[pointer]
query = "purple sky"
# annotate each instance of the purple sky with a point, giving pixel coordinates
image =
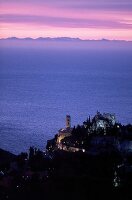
(87, 19)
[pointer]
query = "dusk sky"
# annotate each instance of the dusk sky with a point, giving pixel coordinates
(86, 19)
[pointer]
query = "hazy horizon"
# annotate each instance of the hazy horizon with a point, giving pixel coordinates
(68, 39)
(93, 19)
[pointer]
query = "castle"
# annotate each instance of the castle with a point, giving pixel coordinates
(65, 132)
(66, 140)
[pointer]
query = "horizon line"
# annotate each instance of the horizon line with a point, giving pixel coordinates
(64, 38)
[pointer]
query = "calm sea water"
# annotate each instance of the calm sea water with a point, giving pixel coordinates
(39, 86)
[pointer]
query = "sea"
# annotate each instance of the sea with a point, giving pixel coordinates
(41, 82)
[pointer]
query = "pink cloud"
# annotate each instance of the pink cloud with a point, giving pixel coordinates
(103, 17)
(65, 22)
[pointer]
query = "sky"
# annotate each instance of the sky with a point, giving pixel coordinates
(85, 19)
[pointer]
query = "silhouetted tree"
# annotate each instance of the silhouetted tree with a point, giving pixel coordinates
(31, 153)
(21, 159)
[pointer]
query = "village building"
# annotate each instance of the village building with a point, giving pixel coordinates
(65, 132)
(103, 121)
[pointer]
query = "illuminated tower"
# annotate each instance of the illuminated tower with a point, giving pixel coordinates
(68, 121)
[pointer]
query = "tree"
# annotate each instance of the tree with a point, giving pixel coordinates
(31, 153)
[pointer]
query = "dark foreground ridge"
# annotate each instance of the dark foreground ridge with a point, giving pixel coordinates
(90, 161)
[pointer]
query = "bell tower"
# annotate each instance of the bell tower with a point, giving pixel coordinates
(68, 121)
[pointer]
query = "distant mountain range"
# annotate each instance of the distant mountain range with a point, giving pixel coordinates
(44, 39)
(63, 39)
